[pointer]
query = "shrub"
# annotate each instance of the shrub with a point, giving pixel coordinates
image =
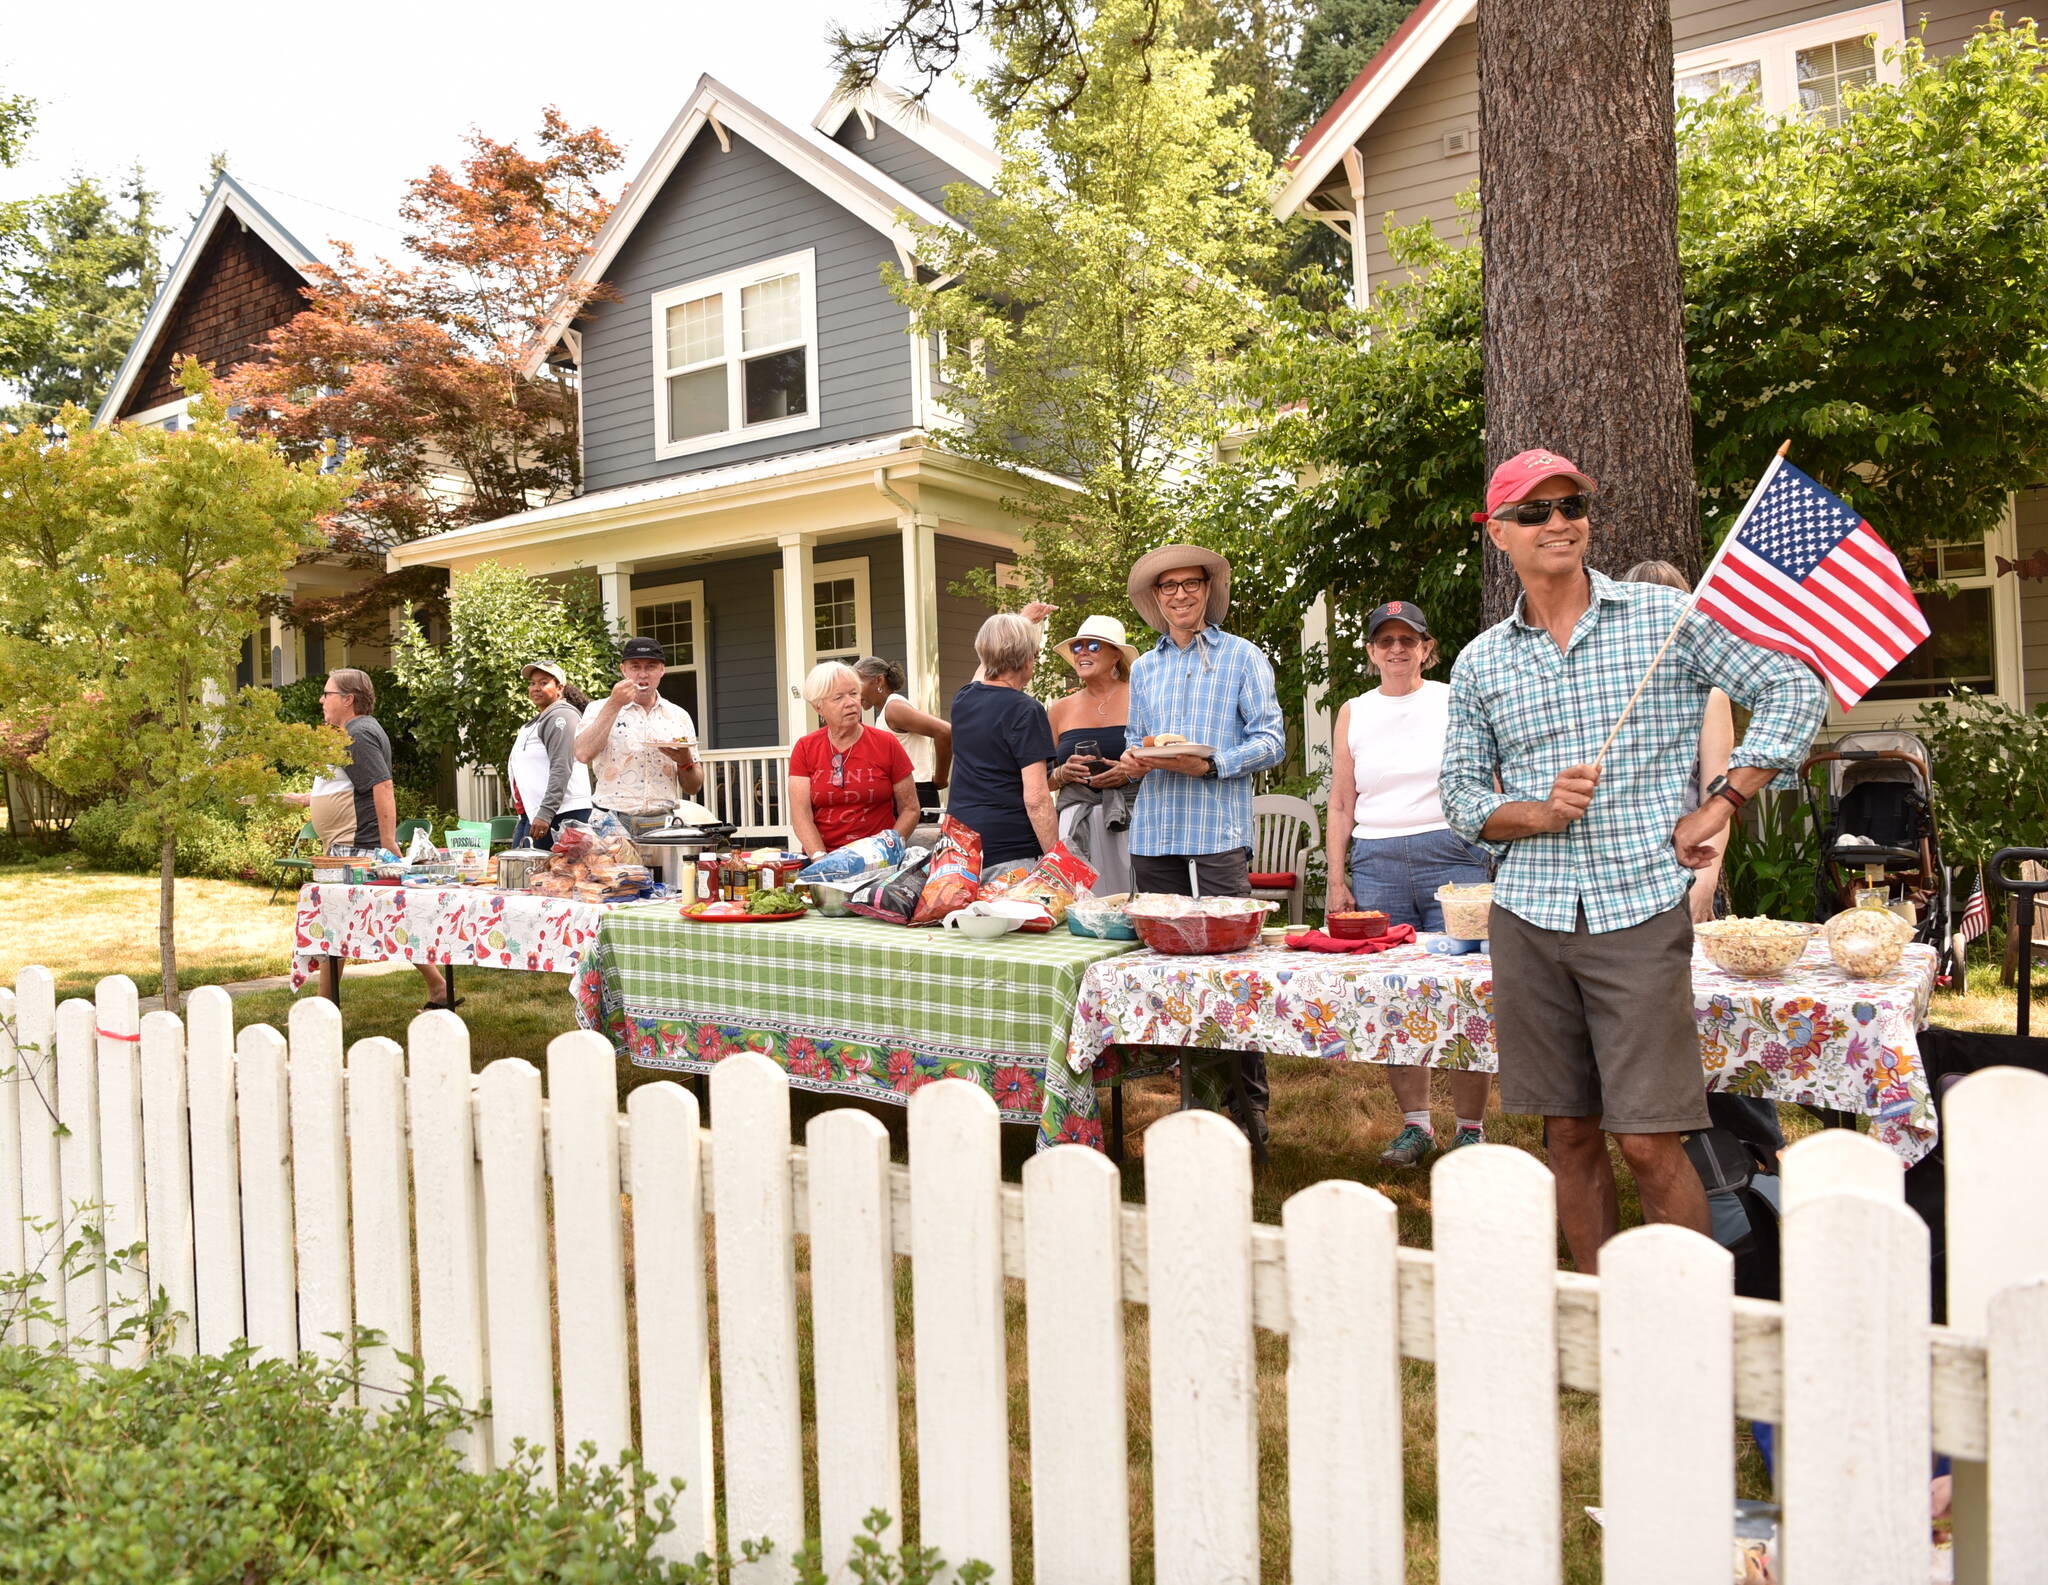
(1990, 775)
(229, 842)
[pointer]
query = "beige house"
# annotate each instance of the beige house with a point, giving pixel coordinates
(1403, 139)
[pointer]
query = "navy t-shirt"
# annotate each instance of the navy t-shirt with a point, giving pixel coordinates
(996, 733)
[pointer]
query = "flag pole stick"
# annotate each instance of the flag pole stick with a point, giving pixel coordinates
(1691, 600)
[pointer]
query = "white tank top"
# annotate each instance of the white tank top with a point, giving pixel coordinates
(1397, 757)
(923, 752)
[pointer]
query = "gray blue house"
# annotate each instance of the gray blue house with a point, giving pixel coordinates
(760, 489)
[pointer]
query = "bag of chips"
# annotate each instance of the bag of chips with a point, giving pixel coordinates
(866, 854)
(1053, 882)
(955, 874)
(896, 901)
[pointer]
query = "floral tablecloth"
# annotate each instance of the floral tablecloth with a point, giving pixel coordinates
(459, 925)
(850, 1006)
(1809, 1036)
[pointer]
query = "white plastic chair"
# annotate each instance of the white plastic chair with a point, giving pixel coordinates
(1285, 832)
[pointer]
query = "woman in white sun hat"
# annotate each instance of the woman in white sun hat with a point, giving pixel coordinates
(1095, 791)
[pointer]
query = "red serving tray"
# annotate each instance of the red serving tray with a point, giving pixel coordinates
(738, 919)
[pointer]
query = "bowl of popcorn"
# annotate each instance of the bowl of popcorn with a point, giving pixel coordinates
(1753, 949)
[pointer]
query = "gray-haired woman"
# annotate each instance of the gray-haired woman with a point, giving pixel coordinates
(847, 780)
(1001, 748)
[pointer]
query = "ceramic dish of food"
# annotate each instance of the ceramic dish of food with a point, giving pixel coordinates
(1752, 949)
(1357, 924)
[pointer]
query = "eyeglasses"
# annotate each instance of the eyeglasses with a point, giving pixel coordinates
(1176, 585)
(1397, 641)
(1531, 513)
(1087, 646)
(332, 693)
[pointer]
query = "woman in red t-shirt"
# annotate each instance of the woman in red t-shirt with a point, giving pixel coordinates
(846, 780)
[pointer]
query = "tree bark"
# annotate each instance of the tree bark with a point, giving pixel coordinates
(166, 933)
(1583, 346)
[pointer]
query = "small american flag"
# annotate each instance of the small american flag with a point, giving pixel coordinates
(1806, 575)
(1976, 914)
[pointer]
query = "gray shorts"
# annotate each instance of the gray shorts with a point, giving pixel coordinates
(1599, 1025)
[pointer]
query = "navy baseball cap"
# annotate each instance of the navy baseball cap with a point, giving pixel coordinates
(1397, 611)
(641, 647)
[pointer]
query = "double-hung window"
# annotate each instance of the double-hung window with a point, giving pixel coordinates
(736, 356)
(1804, 69)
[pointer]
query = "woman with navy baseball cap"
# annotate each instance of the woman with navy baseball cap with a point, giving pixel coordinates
(1390, 845)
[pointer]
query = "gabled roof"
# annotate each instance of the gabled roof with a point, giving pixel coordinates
(228, 198)
(968, 155)
(1428, 27)
(846, 179)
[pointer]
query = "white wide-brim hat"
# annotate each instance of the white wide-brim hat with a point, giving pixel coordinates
(1106, 628)
(1145, 599)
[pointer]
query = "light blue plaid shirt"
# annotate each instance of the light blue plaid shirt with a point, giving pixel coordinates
(1219, 691)
(1524, 710)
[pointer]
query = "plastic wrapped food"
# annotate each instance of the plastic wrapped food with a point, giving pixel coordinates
(896, 899)
(1753, 948)
(1467, 910)
(1867, 942)
(1103, 917)
(1171, 924)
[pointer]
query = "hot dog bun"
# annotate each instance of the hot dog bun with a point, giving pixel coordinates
(1164, 740)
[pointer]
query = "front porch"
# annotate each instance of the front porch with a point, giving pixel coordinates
(752, 574)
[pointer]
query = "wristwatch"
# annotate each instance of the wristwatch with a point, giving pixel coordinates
(1719, 788)
(1209, 774)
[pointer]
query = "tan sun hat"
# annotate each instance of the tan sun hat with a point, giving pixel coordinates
(1106, 628)
(1150, 565)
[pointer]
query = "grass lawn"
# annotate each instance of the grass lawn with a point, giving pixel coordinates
(82, 923)
(1329, 1120)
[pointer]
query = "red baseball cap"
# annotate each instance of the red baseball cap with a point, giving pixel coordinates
(1521, 473)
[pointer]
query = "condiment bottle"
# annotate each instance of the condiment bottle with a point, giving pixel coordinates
(688, 890)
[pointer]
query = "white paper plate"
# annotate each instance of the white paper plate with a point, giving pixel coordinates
(1172, 750)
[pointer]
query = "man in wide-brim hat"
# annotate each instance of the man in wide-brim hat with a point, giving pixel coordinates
(1191, 828)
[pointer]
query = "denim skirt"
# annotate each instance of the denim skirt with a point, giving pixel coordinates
(1400, 875)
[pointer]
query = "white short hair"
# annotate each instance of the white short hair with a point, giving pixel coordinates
(825, 680)
(1006, 644)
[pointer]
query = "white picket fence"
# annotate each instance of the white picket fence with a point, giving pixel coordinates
(288, 1190)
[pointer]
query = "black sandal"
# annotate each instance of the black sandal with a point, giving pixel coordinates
(442, 1007)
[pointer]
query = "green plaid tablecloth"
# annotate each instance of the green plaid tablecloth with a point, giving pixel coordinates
(849, 1005)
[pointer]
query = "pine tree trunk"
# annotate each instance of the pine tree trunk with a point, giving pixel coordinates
(1583, 346)
(166, 934)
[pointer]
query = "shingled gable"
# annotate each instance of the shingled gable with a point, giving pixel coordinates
(236, 279)
(907, 142)
(862, 189)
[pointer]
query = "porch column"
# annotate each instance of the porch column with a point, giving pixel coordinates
(798, 632)
(279, 637)
(615, 589)
(919, 532)
(1315, 711)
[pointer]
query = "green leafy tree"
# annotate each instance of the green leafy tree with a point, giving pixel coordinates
(1093, 303)
(1884, 313)
(78, 270)
(17, 119)
(466, 694)
(1338, 39)
(129, 562)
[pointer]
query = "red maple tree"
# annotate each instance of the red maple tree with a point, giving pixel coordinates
(417, 368)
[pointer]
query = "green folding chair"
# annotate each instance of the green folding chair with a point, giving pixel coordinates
(406, 828)
(502, 827)
(297, 861)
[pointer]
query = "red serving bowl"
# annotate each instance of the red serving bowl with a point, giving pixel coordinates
(1201, 932)
(1358, 925)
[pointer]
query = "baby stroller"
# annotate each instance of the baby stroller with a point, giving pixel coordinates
(1873, 811)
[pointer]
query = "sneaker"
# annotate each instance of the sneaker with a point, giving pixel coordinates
(1466, 1136)
(1408, 1148)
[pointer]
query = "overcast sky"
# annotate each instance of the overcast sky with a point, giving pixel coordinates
(340, 107)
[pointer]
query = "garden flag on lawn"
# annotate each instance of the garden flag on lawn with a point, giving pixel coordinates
(1976, 914)
(1804, 574)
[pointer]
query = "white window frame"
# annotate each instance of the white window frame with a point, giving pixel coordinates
(700, 643)
(1776, 51)
(856, 568)
(729, 285)
(159, 417)
(2006, 660)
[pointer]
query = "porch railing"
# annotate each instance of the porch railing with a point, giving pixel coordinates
(749, 787)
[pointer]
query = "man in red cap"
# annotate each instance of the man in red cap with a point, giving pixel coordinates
(1591, 930)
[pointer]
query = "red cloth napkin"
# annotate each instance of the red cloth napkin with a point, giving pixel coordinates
(1317, 941)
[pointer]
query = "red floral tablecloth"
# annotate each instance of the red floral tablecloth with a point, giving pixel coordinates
(1811, 1036)
(459, 925)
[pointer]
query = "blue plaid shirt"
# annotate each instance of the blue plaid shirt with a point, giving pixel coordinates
(1219, 691)
(1524, 710)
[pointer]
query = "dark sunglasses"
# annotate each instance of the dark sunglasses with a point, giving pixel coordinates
(1088, 646)
(1530, 513)
(839, 769)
